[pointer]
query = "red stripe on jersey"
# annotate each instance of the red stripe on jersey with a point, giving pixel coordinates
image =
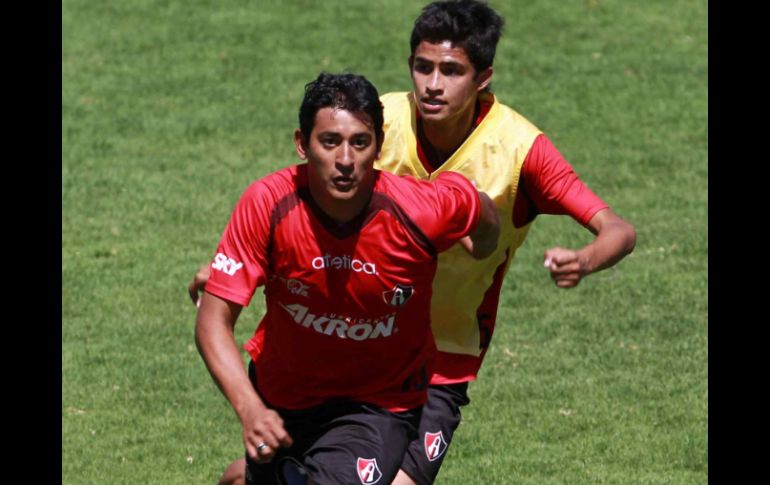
(385, 203)
(281, 209)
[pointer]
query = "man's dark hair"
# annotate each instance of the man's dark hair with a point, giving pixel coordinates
(469, 24)
(348, 92)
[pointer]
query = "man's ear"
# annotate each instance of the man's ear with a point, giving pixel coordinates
(410, 61)
(484, 78)
(301, 144)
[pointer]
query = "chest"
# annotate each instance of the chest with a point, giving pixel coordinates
(376, 267)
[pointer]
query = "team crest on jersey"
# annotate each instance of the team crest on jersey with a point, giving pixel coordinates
(435, 445)
(368, 471)
(296, 287)
(398, 296)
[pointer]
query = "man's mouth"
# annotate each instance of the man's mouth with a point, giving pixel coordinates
(342, 182)
(432, 104)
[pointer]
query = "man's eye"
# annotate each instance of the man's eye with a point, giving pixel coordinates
(451, 71)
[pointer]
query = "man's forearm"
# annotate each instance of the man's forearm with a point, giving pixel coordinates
(216, 344)
(484, 239)
(615, 239)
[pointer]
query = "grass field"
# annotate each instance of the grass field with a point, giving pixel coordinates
(169, 110)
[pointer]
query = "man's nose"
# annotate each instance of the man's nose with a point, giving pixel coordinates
(345, 155)
(435, 82)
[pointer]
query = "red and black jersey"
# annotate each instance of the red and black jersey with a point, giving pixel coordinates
(348, 306)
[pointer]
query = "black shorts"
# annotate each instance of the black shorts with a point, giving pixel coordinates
(440, 418)
(339, 443)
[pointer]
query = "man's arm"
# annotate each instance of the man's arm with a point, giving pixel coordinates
(615, 238)
(483, 241)
(216, 344)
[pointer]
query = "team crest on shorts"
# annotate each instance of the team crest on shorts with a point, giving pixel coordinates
(368, 471)
(435, 445)
(399, 295)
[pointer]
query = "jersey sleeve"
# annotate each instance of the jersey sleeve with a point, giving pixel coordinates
(553, 187)
(240, 264)
(454, 210)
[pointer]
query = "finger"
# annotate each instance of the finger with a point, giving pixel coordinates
(568, 281)
(559, 275)
(251, 450)
(265, 453)
(555, 261)
(565, 268)
(274, 433)
(258, 450)
(194, 296)
(565, 284)
(264, 450)
(283, 437)
(263, 435)
(550, 255)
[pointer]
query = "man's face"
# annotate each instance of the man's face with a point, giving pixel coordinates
(445, 81)
(340, 155)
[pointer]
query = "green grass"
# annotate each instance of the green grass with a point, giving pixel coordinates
(169, 109)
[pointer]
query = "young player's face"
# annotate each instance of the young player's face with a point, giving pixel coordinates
(340, 155)
(445, 82)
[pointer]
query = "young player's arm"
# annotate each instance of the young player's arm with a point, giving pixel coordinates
(553, 187)
(483, 241)
(216, 343)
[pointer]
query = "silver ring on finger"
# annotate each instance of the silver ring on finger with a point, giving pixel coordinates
(262, 446)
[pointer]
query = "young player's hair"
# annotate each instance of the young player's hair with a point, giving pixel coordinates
(469, 24)
(349, 92)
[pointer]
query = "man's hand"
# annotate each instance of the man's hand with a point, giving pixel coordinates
(565, 265)
(263, 434)
(198, 283)
(615, 238)
(482, 242)
(214, 336)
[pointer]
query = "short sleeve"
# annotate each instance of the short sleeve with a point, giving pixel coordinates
(240, 264)
(553, 187)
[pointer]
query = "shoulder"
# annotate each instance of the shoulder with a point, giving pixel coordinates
(395, 98)
(509, 115)
(395, 104)
(413, 193)
(502, 118)
(275, 186)
(388, 182)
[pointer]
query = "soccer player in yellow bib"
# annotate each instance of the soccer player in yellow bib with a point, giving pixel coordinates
(450, 121)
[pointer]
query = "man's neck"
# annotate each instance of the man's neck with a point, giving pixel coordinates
(341, 211)
(447, 137)
(439, 141)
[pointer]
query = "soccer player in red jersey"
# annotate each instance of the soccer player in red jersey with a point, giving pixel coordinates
(347, 254)
(451, 122)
